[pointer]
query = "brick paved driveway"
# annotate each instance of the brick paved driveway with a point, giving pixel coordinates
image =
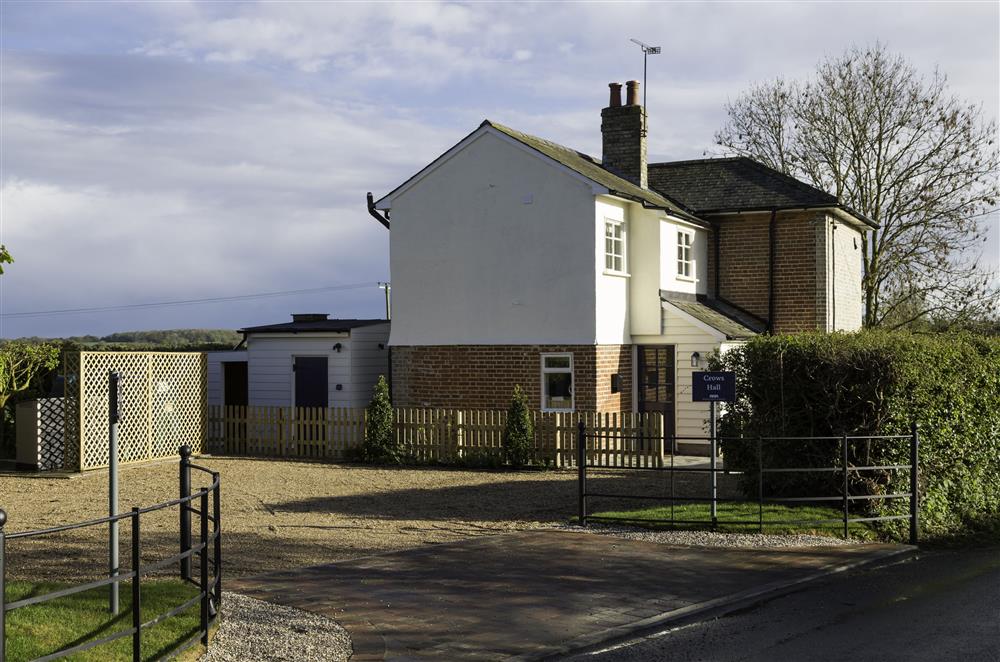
(533, 594)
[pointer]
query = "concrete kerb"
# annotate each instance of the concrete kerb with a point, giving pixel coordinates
(715, 608)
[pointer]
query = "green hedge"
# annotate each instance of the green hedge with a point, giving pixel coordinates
(870, 383)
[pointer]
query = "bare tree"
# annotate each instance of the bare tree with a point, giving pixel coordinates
(900, 149)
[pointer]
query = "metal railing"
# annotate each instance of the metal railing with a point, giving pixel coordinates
(589, 453)
(209, 596)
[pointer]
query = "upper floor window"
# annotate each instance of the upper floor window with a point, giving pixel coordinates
(685, 255)
(614, 246)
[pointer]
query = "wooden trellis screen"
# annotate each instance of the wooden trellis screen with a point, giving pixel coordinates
(162, 405)
(435, 435)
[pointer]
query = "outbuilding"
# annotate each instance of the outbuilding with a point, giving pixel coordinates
(312, 361)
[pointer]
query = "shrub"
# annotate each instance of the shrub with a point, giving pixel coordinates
(518, 437)
(868, 383)
(380, 438)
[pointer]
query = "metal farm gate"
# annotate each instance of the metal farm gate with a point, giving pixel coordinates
(163, 400)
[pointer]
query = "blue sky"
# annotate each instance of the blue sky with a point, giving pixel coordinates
(160, 151)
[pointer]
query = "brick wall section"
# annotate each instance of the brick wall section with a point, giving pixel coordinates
(612, 359)
(484, 376)
(744, 252)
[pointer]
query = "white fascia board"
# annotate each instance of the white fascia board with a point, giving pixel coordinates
(711, 330)
(287, 335)
(385, 203)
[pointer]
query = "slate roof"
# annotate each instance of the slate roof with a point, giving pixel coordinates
(728, 320)
(317, 326)
(708, 186)
(591, 168)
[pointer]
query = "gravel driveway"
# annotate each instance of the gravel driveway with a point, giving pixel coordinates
(286, 514)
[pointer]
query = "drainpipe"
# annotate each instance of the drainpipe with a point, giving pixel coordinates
(772, 250)
(832, 272)
(718, 252)
(378, 216)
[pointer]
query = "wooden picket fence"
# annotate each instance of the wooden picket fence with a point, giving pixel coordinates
(445, 436)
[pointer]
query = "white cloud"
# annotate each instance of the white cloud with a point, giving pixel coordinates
(166, 150)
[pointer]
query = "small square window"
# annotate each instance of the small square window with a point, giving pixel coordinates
(557, 382)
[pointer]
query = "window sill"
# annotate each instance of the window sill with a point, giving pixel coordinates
(619, 274)
(687, 279)
(558, 411)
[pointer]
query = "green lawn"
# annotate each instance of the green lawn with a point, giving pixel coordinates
(42, 629)
(728, 514)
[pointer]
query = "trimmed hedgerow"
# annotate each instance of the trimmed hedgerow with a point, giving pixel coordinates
(870, 383)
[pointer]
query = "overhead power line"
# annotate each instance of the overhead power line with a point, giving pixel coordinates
(186, 302)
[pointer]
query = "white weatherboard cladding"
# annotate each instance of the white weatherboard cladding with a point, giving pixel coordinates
(270, 366)
(845, 278)
(368, 361)
(215, 376)
(493, 247)
(687, 337)
(669, 279)
(612, 298)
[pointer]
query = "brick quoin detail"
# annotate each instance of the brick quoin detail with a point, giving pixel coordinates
(484, 376)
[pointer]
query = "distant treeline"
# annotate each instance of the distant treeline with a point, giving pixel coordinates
(169, 339)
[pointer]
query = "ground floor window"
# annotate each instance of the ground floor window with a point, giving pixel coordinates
(557, 382)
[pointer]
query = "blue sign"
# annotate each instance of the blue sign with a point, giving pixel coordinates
(713, 386)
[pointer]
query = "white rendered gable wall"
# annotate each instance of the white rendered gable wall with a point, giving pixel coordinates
(493, 246)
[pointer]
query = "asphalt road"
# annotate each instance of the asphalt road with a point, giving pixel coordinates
(941, 605)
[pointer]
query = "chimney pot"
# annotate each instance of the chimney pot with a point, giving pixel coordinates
(616, 95)
(309, 317)
(632, 93)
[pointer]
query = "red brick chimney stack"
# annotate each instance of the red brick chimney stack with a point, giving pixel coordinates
(623, 135)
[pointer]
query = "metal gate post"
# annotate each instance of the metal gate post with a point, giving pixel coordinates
(203, 559)
(136, 590)
(3, 587)
(846, 500)
(114, 414)
(217, 551)
(185, 509)
(581, 465)
(914, 497)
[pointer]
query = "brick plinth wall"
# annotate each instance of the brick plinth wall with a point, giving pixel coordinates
(484, 376)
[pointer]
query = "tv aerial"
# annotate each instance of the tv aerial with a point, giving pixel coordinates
(647, 50)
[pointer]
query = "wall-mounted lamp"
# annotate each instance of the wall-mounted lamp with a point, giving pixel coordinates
(381, 345)
(340, 387)
(338, 347)
(695, 360)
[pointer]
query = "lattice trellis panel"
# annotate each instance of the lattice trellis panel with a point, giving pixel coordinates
(71, 411)
(162, 405)
(50, 434)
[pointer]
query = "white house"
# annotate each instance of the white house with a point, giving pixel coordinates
(601, 284)
(311, 361)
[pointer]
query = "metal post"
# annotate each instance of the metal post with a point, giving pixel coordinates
(846, 500)
(914, 472)
(114, 386)
(185, 509)
(203, 556)
(712, 464)
(3, 587)
(217, 552)
(581, 468)
(136, 591)
(760, 484)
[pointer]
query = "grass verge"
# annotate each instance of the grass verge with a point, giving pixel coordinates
(43, 629)
(741, 518)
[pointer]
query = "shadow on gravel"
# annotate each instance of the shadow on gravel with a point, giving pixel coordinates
(536, 500)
